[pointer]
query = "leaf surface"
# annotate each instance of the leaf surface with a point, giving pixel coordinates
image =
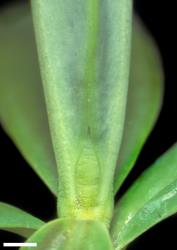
(75, 235)
(22, 106)
(15, 220)
(144, 100)
(152, 198)
(84, 56)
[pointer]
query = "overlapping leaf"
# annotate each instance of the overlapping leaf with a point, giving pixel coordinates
(144, 100)
(69, 234)
(152, 198)
(15, 220)
(22, 106)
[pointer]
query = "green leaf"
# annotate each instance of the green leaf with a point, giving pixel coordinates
(15, 220)
(70, 234)
(22, 106)
(84, 56)
(144, 100)
(152, 198)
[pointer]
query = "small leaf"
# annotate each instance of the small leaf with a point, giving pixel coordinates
(152, 198)
(144, 100)
(22, 106)
(69, 234)
(84, 55)
(15, 220)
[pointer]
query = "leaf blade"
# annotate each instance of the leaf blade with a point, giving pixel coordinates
(152, 198)
(85, 76)
(15, 220)
(22, 106)
(144, 100)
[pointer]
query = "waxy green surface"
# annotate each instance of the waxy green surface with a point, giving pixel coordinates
(84, 49)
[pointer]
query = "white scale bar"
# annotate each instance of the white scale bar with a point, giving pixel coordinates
(32, 244)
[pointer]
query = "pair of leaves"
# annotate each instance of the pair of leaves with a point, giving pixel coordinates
(59, 234)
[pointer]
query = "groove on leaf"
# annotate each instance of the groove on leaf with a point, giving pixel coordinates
(87, 174)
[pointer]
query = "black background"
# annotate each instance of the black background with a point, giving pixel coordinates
(20, 186)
